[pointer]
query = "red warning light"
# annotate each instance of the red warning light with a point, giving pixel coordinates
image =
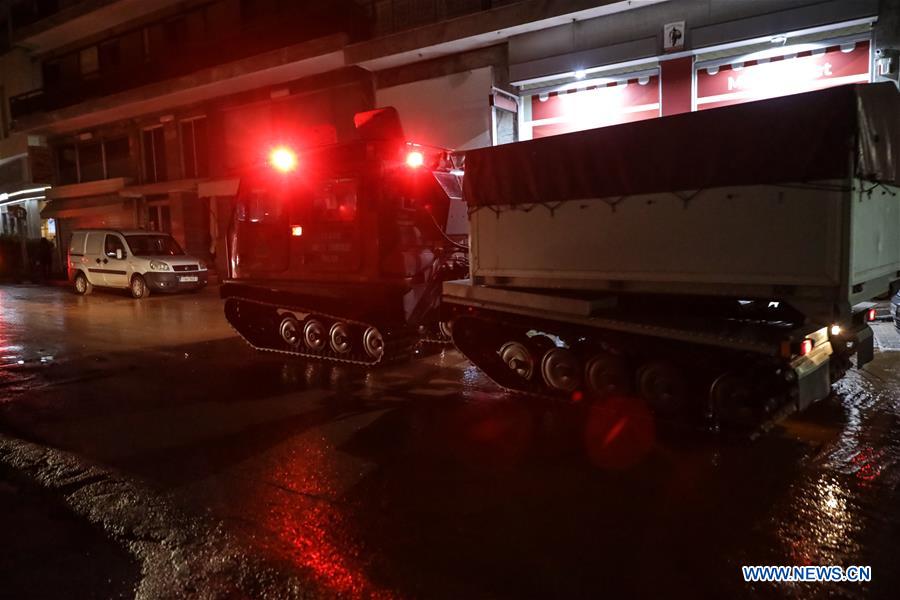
(415, 159)
(283, 159)
(806, 347)
(870, 315)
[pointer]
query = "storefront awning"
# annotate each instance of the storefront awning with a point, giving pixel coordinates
(160, 188)
(60, 208)
(218, 187)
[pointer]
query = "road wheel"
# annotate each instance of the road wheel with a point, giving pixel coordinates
(607, 374)
(663, 386)
(290, 332)
(731, 399)
(83, 287)
(560, 370)
(139, 288)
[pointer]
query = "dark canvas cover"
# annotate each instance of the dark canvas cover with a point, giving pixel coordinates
(827, 134)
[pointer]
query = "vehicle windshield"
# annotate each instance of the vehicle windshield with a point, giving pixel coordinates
(153, 245)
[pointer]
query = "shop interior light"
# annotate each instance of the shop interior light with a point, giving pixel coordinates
(580, 74)
(296, 230)
(283, 159)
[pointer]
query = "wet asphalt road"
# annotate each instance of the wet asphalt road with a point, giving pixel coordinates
(190, 466)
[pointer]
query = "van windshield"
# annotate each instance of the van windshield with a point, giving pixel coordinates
(153, 245)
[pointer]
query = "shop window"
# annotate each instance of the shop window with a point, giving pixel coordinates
(194, 148)
(67, 163)
(90, 161)
(159, 218)
(154, 148)
(118, 157)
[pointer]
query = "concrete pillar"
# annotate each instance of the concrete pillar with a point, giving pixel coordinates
(887, 39)
(33, 220)
(675, 92)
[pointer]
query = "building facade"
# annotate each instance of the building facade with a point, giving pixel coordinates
(140, 113)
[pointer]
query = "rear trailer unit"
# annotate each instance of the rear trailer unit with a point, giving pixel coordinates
(717, 261)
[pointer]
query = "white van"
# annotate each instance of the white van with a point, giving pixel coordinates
(138, 261)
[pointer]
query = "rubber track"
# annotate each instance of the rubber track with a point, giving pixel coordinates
(386, 357)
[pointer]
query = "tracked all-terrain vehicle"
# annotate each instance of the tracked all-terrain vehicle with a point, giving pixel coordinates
(338, 252)
(717, 261)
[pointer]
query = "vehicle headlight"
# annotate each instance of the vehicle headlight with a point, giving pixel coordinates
(158, 265)
(203, 266)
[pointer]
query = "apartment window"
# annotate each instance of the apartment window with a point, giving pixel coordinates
(194, 147)
(88, 61)
(118, 157)
(90, 161)
(52, 73)
(253, 11)
(4, 120)
(109, 56)
(159, 218)
(67, 163)
(4, 35)
(175, 33)
(154, 147)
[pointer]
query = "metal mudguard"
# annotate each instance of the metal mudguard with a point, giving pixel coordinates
(865, 347)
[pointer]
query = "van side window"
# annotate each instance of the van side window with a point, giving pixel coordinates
(112, 244)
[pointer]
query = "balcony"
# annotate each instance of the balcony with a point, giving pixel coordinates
(179, 58)
(44, 25)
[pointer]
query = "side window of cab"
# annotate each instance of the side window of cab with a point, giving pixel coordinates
(113, 247)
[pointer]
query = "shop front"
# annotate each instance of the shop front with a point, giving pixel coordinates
(781, 71)
(591, 103)
(638, 80)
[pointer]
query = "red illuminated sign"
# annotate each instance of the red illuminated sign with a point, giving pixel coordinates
(594, 106)
(782, 75)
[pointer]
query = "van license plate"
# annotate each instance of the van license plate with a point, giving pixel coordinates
(187, 279)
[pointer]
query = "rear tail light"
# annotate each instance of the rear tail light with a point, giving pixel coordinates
(870, 315)
(283, 159)
(415, 159)
(791, 349)
(806, 347)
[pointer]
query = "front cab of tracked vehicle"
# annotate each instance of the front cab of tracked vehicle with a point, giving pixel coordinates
(339, 251)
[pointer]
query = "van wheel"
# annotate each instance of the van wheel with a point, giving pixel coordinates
(139, 288)
(83, 287)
